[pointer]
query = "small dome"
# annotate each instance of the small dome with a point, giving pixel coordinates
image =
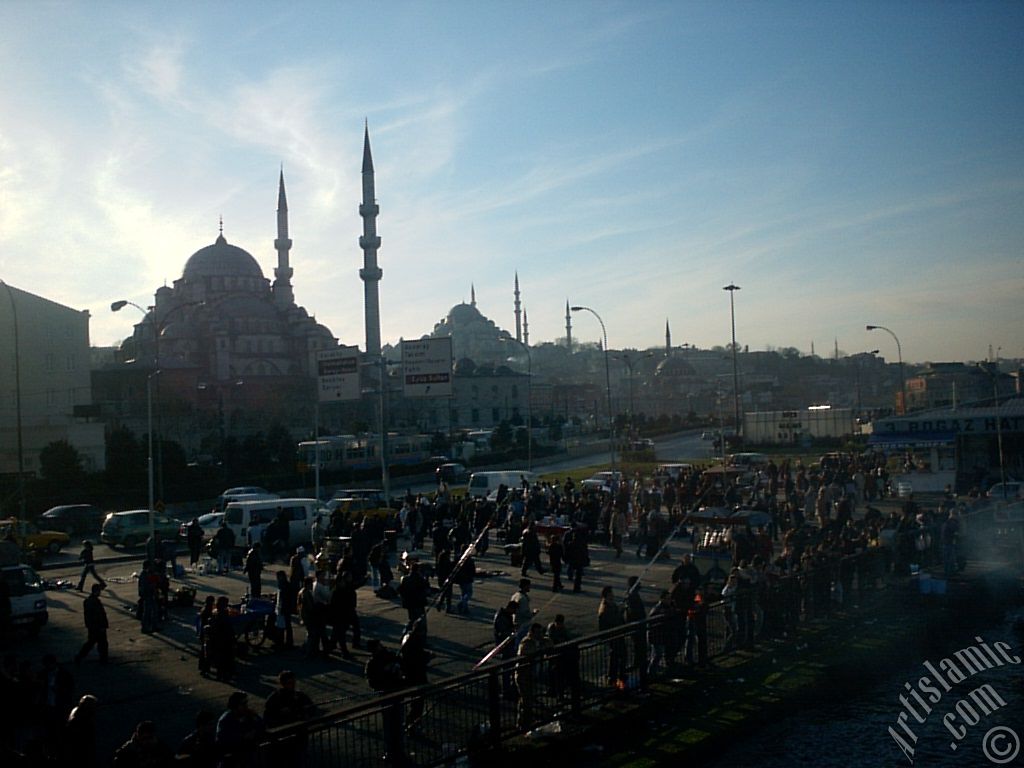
(465, 366)
(221, 260)
(674, 367)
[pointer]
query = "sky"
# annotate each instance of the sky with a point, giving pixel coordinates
(843, 163)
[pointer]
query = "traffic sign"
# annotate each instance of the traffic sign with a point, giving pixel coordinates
(337, 374)
(427, 367)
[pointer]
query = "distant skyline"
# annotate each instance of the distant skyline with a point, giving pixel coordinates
(844, 164)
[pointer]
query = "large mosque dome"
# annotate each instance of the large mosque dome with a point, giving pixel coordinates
(221, 260)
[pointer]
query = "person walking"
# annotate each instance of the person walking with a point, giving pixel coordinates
(96, 626)
(504, 636)
(527, 674)
(88, 560)
(619, 525)
(413, 589)
(523, 614)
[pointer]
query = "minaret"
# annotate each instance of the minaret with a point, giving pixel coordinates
(370, 242)
(472, 295)
(668, 339)
(519, 327)
(526, 329)
(568, 326)
(284, 297)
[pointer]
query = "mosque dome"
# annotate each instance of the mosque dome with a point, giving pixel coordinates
(674, 367)
(221, 260)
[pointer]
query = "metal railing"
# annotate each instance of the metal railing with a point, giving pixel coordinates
(433, 724)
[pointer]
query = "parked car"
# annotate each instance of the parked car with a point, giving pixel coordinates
(27, 535)
(601, 481)
(1010, 490)
(73, 518)
(231, 494)
(452, 473)
(209, 522)
(130, 528)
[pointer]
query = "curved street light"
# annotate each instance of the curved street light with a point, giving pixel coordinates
(607, 381)
(899, 356)
(732, 288)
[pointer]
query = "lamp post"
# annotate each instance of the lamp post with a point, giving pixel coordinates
(529, 401)
(860, 365)
(17, 405)
(607, 381)
(732, 288)
(149, 458)
(158, 329)
(630, 361)
(899, 355)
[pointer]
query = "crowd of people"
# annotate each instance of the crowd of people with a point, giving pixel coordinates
(813, 553)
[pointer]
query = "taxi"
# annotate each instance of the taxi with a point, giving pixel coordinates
(28, 535)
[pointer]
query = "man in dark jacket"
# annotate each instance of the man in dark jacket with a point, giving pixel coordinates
(254, 570)
(95, 624)
(413, 590)
(194, 537)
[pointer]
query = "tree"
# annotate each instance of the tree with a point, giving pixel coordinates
(126, 461)
(501, 437)
(61, 464)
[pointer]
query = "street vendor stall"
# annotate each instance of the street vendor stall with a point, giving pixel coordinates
(714, 530)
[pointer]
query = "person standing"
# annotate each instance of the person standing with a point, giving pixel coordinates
(413, 589)
(618, 529)
(88, 559)
(577, 555)
(413, 659)
(609, 617)
(239, 732)
(194, 538)
(556, 552)
(465, 575)
(143, 749)
(96, 626)
(343, 612)
(531, 550)
(79, 737)
(504, 636)
(384, 675)
(523, 614)
(286, 705)
(221, 640)
(224, 545)
(635, 611)
(287, 599)
(253, 568)
(527, 674)
(199, 747)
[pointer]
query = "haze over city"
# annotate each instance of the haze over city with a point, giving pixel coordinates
(845, 165)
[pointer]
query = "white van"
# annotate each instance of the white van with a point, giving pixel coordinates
(28, 599)
(485, 484)
(247, 519)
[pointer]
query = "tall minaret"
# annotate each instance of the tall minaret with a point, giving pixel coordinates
(519, 326)
(370, 242)
(568, 326)
(526, 329)
(668, 339)
(472, 295)
(283, 295)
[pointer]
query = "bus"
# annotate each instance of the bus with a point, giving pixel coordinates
(362, 451)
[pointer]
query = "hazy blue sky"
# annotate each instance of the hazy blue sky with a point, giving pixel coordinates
(844, 163)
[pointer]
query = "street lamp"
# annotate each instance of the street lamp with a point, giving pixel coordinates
(899, 355)
(607, 381)
(731, 288)
(17, 405)
(158, 329)
(529, 400)
(630, 361)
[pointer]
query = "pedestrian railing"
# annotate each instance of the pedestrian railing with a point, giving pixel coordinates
(433, 724)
